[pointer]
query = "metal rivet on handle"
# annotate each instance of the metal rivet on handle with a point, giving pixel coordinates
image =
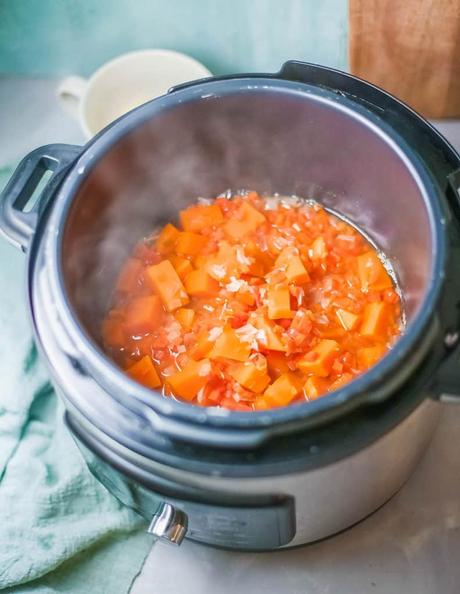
(169, 524)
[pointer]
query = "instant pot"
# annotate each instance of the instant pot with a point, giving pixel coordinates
(268, 479)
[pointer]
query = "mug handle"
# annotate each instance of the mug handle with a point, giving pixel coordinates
(70, 92)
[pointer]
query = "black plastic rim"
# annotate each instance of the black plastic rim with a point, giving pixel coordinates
(341, 401)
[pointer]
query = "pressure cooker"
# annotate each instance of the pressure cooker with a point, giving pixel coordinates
(268, 479)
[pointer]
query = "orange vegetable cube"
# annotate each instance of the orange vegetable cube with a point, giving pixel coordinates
(261, 403)
(246, 220)
(223, 265)
(315, 386)
(198, 283)
(269, 337)
(262, 260)
(375, 320)
(245, 297)
(166, 239)
(185, 317)
(318, 249)
(279, 303)
(348, 319)
(201, 261)
(250, 376)
(290, 262)
(181, 265)
(277, 364)
(319, 360)
(189, 381)
(164, 280)
(143, 314)
(372, 273)
(202, 216)
(229, 346)
(331, 331)
(296, 271)
(129, 276)
(144, 372)
(369, 356)
(201, 347)
(190, 244)
(283, 390)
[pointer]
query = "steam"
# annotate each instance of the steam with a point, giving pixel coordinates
(256, 140)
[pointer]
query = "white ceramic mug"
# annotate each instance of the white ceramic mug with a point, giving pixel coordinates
(124, 83)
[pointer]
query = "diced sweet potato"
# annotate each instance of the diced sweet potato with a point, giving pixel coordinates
(348, 319)
(164, 280)
(189, 381)
(333, 331)
(201, 347)
(250, 376)
(229, 346)
(202, 216)
(198, 283)
(262, 260)
(277, 364)
(185, 317)
(372, 273)
(296, 271)
(166, 239)
(283, 390)
(318, 249)
(279, 303)
(368, 356)
(223, 264)
(315, 386)
(375, 320)
(246, 297)
(290, 262)
(319, 360)
(261, 403)
(144, 372)
(181, 265)
(246, 220)
(143, 315)
(129, 275)
(269, 338)
(190, 244)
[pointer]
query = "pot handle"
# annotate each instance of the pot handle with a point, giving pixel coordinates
(19, 207)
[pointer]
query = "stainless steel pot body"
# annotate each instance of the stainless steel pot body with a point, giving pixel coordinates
(243, 512)
(309, 506)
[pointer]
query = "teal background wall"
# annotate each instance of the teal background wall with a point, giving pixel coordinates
(55, 37)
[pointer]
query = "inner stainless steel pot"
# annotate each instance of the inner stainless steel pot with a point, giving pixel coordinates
(273, 140)
(263, 134)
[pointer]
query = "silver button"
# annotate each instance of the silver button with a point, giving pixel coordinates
(169, 524)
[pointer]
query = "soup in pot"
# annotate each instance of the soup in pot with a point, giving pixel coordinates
(252, 303)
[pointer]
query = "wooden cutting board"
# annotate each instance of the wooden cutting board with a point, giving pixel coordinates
(411, 48)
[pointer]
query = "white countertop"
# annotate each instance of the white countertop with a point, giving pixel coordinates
(409, 546)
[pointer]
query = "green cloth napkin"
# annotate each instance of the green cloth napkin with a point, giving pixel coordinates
(60, 530)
